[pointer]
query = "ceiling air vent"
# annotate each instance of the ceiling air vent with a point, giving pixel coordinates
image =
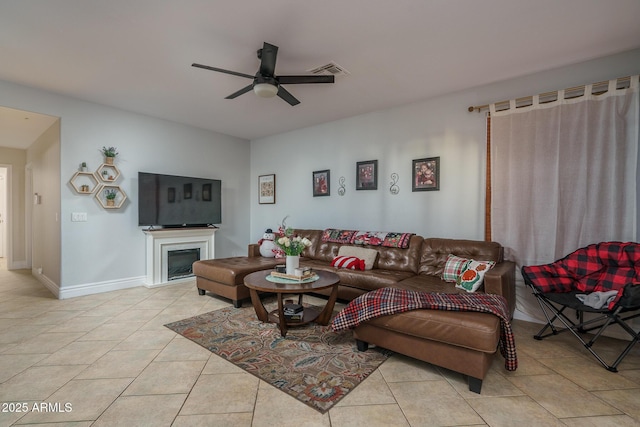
(331, 69)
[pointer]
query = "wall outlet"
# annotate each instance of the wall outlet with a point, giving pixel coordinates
(78, 217)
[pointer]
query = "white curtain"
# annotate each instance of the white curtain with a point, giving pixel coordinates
(564, 176)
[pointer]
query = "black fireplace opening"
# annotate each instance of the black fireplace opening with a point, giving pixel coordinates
(180, 263)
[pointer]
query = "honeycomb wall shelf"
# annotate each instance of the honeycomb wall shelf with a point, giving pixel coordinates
(108, 172)
(121, 196)
(84, 182)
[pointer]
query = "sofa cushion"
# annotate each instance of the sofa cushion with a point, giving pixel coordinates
(315, 237)
(401, 259)
(453, 267)
(472, 275)
(427, 283)
(367, 280)
(367, 255)
(436, 250)
(370, 280)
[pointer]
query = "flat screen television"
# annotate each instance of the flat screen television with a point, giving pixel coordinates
(178, 201)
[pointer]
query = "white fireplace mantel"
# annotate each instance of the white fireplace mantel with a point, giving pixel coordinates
(159, 242)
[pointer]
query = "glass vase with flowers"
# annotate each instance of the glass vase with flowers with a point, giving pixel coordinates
(292, 245)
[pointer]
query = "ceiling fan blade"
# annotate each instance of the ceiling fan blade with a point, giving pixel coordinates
(240, 92)
(220, 70)
(268, 60)
(293, 80)
(284, 94)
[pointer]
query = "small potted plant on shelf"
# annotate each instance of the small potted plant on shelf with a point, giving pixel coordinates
(83, 166)
(110, 195)
(109, 154)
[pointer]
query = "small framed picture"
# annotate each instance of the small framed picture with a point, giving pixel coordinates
(321, 183)
(206, 192)
(171, 194)
(367, 175)
(188, 190)
(426, 174)
(267, 189)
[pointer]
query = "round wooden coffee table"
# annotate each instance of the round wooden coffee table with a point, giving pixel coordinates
(257, 282)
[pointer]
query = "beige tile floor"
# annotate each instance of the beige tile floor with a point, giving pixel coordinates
(111, 360)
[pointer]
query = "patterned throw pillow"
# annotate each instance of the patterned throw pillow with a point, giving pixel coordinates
(349, 262)
(367, 254)
(338, 236)
(453, 267)
(472, 275)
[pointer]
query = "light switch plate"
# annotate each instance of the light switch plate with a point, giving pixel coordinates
(78, 216)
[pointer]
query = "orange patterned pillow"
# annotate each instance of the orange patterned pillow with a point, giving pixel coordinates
(472, 275)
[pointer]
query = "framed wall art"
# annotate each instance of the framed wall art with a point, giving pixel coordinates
(267, 189)
(367, 175)
(425, 174)
(321, 183)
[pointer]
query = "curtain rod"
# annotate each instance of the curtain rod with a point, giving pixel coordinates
(542, 95)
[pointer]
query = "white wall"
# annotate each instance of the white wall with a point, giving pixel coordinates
(109, 248)
(436, 127)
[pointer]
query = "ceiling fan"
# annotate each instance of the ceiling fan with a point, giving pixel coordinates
(265, 83)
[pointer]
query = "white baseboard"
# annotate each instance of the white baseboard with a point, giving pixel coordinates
(99, 287)
(18, 265)
(48, 283)
(519, 315)
(171, 282)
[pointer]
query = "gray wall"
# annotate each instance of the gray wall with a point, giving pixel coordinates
(108, 250)
(436, 127)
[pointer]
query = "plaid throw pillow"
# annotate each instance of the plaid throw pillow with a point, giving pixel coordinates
(453, 267)
(349, 262)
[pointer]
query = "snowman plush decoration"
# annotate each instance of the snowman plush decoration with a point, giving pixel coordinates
(267, 245)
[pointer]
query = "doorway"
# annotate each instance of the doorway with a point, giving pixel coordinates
(19, 131)
(4, 173)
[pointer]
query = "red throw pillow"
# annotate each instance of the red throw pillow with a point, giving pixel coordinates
(349, 262)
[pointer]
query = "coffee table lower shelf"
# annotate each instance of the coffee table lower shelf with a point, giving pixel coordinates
(257, 282)
(309, 315)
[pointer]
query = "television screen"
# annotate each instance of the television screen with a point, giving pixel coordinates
(178, 201)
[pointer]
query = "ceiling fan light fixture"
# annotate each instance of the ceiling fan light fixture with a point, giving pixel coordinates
(265, 90)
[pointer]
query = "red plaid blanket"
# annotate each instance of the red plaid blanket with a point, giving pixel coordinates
(600, 267)
(386, 301)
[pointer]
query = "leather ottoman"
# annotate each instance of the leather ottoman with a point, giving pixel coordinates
(225, 277)
(464, 342)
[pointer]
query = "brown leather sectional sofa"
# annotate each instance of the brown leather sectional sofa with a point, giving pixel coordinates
(464, 342)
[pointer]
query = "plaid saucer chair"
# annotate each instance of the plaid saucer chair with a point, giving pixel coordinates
(603, 279)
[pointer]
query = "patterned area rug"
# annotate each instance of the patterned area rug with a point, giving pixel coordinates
(313, 364)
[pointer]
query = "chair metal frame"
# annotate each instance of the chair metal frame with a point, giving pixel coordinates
(553, 305)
